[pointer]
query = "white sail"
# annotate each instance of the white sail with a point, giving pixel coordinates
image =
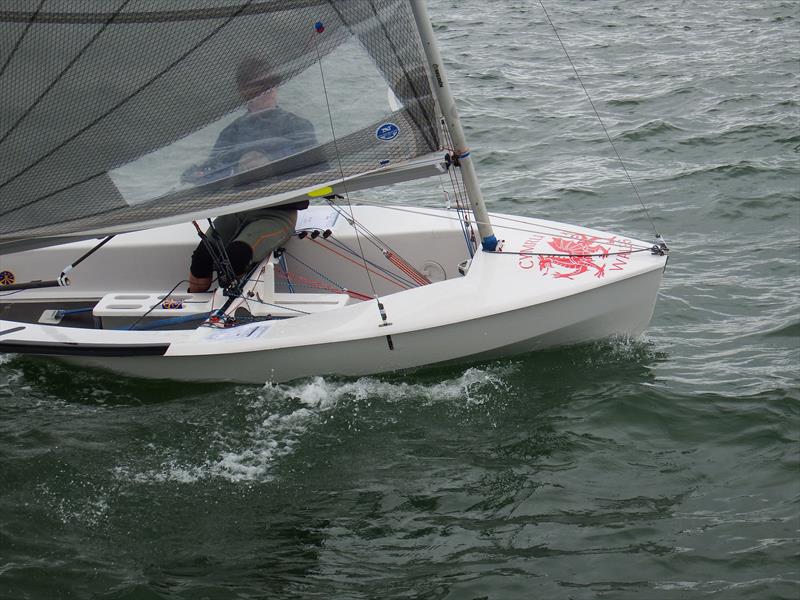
(104, 114)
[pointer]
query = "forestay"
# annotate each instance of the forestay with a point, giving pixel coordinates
(106, 104)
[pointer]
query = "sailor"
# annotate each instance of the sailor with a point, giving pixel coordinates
(265, 133)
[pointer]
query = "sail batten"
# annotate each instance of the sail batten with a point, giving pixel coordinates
(117, 114)
(159, 16)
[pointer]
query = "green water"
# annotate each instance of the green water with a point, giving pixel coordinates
(663, 467)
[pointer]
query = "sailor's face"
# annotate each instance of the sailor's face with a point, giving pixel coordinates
(266, 99)
(256, 85)
(249, 91)
(259, 93)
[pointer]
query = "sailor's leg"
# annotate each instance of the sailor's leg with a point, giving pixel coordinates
(226, 227)
(202, 266)
(201, 269)
(257, 239)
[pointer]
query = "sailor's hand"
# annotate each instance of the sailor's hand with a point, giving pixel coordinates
(252, 160)
(195, 174)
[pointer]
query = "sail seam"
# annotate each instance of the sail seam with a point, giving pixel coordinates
(70, 175)
(63, 72)
(204, 14)
(110, 111)
(21, 37)
(431, 129)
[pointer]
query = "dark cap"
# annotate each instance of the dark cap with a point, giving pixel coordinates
(254, 76)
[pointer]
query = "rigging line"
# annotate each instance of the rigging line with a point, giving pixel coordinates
(462, 203)
(152, 308)
(308, 282)
(282, 263)
(55, 81)
(560, 230)
(403, 265)
(623, 253)
(523, 230)
(314, 285)
(313, 270)
(339, 162)
(356, 263)
(170, 321)
(257, 299)
(399, 262)
(610, 141)
(448, 206)
(248, 308)
(75, 263)
(231, 310)
(379, 244)
(342, 246)
(111, 110)
(376, 241)
(370, 237)
(389, 252)
(21, 37)
(462, 209)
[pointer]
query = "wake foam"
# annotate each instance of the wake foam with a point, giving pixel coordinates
(279, 417)
(474, 386)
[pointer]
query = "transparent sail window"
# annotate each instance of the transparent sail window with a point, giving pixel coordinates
(334, 98)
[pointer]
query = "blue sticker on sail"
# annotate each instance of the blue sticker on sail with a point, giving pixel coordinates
(387, 131)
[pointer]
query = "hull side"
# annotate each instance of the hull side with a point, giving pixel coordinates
(621, 308)
(553, 285)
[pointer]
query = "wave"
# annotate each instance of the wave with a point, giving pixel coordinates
(279, 417)
(623, 102)
(277, 420)
(654, 128)
(787, 330)
(740, 169)
(765, 132)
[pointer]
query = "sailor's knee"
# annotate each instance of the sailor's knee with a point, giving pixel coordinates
(202, 264)
(198, 284)
(241, 255)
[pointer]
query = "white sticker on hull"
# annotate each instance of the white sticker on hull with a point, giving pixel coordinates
(252, 331)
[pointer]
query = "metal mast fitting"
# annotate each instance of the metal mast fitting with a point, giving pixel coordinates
(447, 104)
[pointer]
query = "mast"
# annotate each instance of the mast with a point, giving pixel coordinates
(447, 105)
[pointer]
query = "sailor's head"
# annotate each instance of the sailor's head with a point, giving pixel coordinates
(256, 82)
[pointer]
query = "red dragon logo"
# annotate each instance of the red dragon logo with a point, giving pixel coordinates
(582, 250)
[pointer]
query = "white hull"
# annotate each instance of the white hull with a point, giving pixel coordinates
(506, 304)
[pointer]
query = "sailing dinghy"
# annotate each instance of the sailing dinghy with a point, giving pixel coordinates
(101, 112)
